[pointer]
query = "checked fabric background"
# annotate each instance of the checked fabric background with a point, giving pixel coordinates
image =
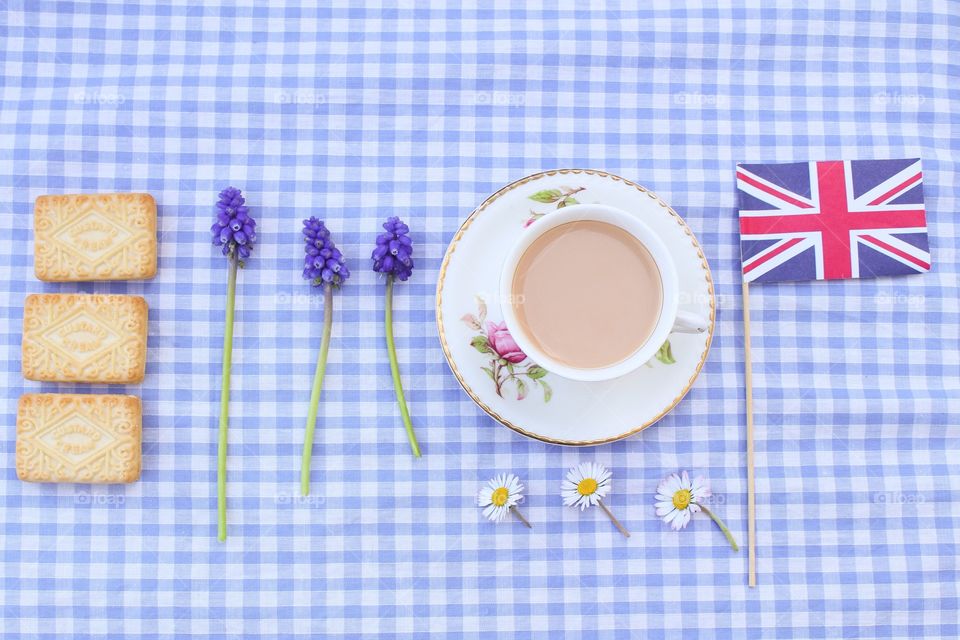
(355, 113)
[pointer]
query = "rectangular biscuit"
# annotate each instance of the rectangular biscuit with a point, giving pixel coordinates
(72, 437)
(97, 236)
(78, 337)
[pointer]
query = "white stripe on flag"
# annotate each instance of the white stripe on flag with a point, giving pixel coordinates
(884, 236)
(807, 241)
(782, 206)
(884, 187)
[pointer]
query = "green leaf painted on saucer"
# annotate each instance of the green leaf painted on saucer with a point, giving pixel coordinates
(547, 195)
(521, 389)
(480, 344)
(536, 372)
(547, 390)
(665, 354)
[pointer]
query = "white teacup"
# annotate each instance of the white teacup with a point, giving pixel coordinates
(671, 317)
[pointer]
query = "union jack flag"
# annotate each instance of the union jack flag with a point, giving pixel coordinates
(832, 220)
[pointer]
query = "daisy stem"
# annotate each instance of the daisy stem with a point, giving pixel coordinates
(315, 392)
(395, 369)
(613, 519)
(723, 527)
(225, 403)
(516, 512)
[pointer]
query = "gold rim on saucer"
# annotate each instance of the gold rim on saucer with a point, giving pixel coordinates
(442, 333)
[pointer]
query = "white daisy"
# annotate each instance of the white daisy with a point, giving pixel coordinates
(678, 498)
(586, 485)
(500, 496)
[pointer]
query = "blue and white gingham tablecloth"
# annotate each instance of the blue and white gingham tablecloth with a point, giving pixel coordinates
(354, 113)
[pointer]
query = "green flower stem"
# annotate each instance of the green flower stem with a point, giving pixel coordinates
(225, 403)
(395, 370)
(315, 392)
(613, 519)
(519, 516)
(723, 527)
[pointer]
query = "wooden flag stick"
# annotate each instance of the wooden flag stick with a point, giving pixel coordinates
(751, 491)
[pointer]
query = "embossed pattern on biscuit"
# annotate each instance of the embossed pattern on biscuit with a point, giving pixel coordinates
(78, 438)
(84, 338)
(83, 237)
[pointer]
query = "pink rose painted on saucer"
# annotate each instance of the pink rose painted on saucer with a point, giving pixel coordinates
(508, 365)
(503, 344)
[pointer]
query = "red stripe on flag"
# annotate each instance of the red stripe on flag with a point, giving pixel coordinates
(773, 192)
(898, 188)
(903, 254)
(750, 266)
(855, 221)
(834, 213)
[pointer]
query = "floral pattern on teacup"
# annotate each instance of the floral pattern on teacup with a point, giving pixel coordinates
(508, 366)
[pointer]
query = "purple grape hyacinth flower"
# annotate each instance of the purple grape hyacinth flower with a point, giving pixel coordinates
(393, 258)
(394, 250)
(235, 230)
(323, 263)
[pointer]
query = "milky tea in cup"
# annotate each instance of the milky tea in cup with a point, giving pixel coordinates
(587, 293)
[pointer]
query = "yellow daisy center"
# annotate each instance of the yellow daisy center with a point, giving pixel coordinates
(681, 499)
(587, 486)
(499, 497)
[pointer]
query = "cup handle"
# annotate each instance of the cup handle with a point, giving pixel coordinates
(687, 322)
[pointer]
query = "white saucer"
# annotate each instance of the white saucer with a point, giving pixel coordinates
(543, 405)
